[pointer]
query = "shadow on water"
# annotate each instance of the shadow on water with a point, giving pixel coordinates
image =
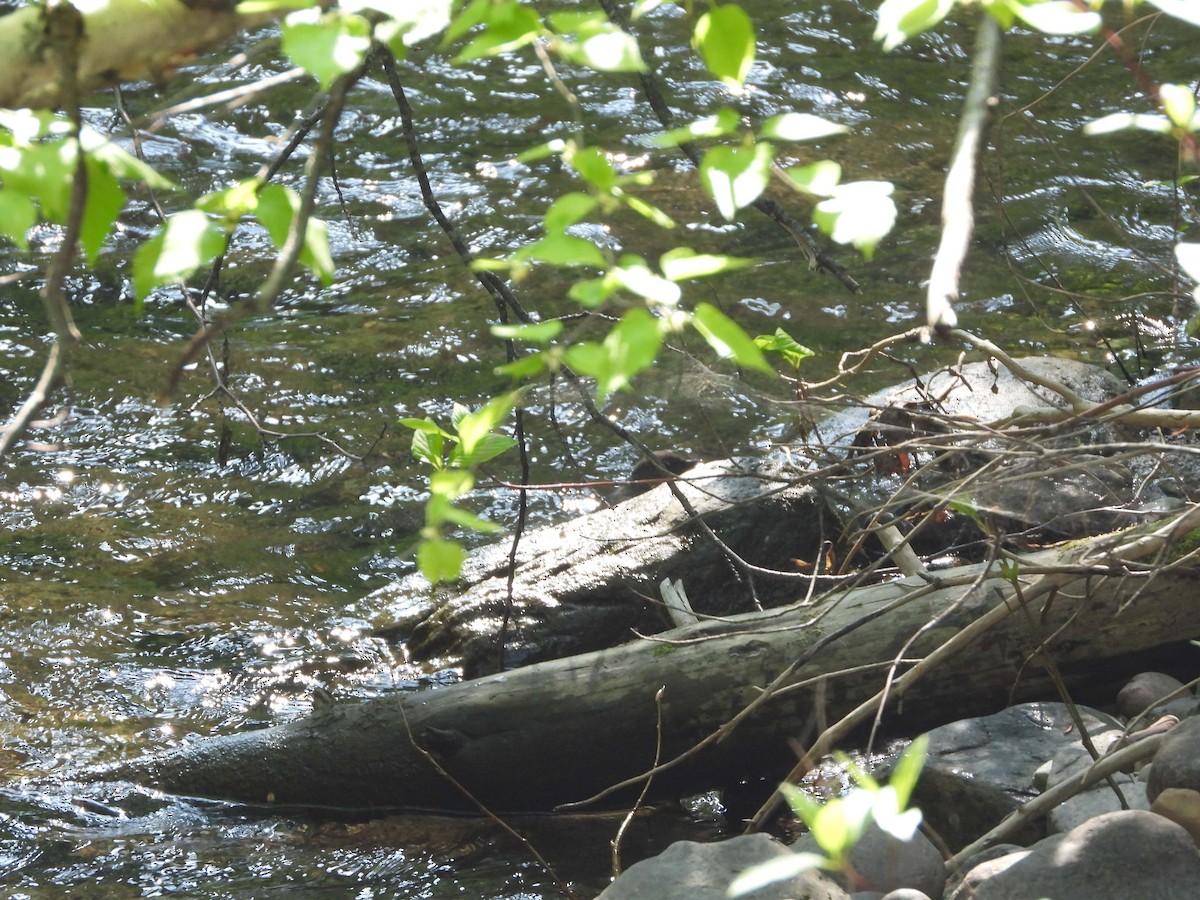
(172, 571)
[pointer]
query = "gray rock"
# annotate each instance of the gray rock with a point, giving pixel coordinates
(1113, 857)
(996, 851)
(979, 770)
(1177, 762)
(1094, 802)
(906, 894)
(884, 863)
(691, 871)
(1071, 762)
(1145, 690)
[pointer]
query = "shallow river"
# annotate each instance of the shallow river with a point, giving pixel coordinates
(170, 570)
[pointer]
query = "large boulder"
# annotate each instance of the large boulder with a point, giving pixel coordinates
(1113, 857)
(691, 871)
(979, 770)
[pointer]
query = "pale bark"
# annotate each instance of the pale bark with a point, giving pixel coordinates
(122, 40)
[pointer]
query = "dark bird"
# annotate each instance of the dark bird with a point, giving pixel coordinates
(651, 471)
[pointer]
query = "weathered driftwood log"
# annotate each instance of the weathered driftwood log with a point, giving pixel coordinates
(558, 731)
(590, 582)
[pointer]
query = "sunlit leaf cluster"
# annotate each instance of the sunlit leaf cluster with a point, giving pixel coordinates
(837, 825)
(39, 160)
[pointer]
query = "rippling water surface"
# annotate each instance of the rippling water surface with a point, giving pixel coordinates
(185, 568)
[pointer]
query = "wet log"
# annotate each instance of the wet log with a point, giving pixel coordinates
(593, 582)
(562, 730)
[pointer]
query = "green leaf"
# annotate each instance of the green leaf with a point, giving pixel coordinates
(277, 208)
(841, 822)
(316, 255)
(635, 276)
(607, 50)
(578, 21)
(553, 147)
(1124, 121)
(429, 447)
(474, 13)
(327, 45)
(629, 348)
(429, 441)
(17, 215)
(784, 344)
(859, 213)
(523, 367)
(427, 426)
(27, 125)
(591, 292)
(800, 127)
(1055, 16)
(644, 209)
(1188, 255)
(725, 37)
(448, 485)
(593, 166)
(487, 447)
(819, 179)
(801, 803)
(409, 21)
(891, 817)
(241, 199)
(908, 769)
(781, 868)
(736, 176)
(105, 200)
(187, 241)
(475, 427)
(510, 26)
(564, 250)
(464, 519)
(440, 560)
(533, 332)
(900, 20)
(728, 339)
(1179, 103)
(683, 263)
(1187, 10)
(44, 172)
(723, 123)
(256, 7)
(567, 210)
(119, 162)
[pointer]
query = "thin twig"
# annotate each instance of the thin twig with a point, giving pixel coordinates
(658, 735)
(958, 219)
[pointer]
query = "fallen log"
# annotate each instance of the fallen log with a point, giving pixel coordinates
(592, 582)
(562, 730)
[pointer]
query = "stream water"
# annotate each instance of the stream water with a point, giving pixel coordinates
(169, 571)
